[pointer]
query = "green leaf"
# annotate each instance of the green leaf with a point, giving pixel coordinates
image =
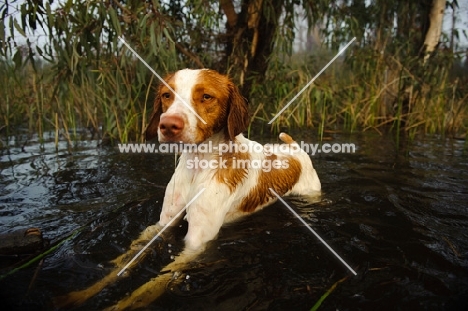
(18, 59)
(327, 293)
(2, 33)
(166, 33)
(115, 21)
(18, 28)
(153, 39)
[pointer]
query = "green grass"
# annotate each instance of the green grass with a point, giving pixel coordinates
(374, 92)
(112, 97)
(111, 101)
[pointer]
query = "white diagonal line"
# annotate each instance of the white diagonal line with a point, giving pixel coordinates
(159, 233)
(312, 81)
(161, 79)
(312, 230)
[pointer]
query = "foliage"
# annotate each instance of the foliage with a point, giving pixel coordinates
(80, 75)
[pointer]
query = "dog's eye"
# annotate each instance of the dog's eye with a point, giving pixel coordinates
(166, 95)
(207, 97)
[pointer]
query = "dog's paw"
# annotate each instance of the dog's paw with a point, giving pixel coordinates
(150, 232)
(77, 298)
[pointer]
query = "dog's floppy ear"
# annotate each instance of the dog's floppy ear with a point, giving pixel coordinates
(153, 125)
(238, 114)
(151, 130)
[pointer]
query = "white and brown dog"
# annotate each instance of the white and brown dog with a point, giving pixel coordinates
(208, 109)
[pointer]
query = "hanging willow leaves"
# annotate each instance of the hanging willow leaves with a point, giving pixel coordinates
(115, 21)
(270, 48)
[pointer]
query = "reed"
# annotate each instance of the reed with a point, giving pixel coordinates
(113, 98)
(369, 92)
(83, 83)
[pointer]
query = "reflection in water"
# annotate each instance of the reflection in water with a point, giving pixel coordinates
(396, 214)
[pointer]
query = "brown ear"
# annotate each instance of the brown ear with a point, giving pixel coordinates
(238, 115)
(153, 125)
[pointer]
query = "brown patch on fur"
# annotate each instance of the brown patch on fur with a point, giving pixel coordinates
(232, 176)
(280, 180)
(226, 109)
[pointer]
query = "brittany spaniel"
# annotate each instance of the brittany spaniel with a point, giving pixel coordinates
(236, 174)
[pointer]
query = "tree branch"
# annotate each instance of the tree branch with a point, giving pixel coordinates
(228, 7)
(190, 55)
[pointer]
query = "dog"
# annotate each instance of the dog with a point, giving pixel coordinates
(233, 179)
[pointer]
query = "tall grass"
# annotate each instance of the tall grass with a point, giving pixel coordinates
(366, 91)
(111, 100)
(108, 102)
(82, 81)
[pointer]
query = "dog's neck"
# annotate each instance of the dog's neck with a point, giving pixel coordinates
(211, 147)
(220, 138)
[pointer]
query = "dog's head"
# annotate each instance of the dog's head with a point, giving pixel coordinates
(205, 103)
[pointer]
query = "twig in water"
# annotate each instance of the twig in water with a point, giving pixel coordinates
(327, 293)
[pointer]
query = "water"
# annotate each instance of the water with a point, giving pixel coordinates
(398, 214)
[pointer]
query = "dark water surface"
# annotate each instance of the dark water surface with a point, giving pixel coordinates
(397, 214)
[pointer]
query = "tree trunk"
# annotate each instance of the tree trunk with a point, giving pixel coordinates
(249, 39)
(436, 17)
(430, 15)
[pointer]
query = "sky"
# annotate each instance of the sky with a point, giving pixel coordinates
(461, 23)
